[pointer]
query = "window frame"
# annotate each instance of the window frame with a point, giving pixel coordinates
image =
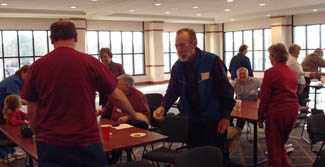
(3, 57)
(122, 53)
(252, 50)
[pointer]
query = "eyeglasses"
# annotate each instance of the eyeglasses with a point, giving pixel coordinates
(182, 45)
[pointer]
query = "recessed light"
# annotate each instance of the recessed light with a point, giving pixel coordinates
(131, 10)
(157, 4)
(4, 4)
(73, 7)
(315, 10)
(230, 0)
(167, 12)
(232, 19)
(262, 4)
(195, 7)
(227, 10)
(268, 15)
(94, 0)
(198, 14)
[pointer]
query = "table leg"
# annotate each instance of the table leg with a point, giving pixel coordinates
(255, 143)
(315, 98)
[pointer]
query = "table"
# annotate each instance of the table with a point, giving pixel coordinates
(249, 112)
(316, 86)
(121, 139)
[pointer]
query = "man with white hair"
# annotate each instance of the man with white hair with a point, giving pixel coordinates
(246, 88)
(135, 97)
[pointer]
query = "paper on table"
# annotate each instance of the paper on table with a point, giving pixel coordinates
(123, 126)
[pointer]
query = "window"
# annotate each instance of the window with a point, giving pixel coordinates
(257, 41)
(23, 47)
(309, 38)
(127, 48)
(169, 49)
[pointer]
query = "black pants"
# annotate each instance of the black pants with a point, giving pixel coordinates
(54, 156)
(205, 133)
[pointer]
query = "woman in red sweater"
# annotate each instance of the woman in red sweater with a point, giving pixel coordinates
(278, 106)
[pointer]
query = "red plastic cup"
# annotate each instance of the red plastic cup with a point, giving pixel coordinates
(106, 131)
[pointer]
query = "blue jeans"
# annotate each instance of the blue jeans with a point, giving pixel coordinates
(88, 156)
(4, 152)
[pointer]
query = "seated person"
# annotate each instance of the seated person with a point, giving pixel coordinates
(246, 88)
(138, 102)
(135, 97)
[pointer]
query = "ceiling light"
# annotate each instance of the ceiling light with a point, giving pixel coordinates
(167, 12)
(230, 0)
(262, 4)
(268, 15)
(131, 10)
(4, 4)
(198, 14)
(73, 7)
(195, 7)
(232, 19)
(94, 0)
(227, 10)
(157, 4)
(315, 10)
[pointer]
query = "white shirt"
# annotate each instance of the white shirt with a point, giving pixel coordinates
(297, 68)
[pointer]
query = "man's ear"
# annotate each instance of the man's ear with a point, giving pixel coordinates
(51, 39)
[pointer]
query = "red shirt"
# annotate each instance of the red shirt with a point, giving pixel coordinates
(16, 118)
(278, 89)
(64, 84)
(138, 102)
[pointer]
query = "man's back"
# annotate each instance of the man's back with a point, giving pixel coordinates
(64, 83)
(240, 60)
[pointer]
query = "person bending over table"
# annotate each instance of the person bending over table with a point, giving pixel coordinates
(200, 80)
(246, 88)
(278, 106)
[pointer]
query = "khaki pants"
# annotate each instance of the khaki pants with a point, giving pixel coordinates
(233, 137)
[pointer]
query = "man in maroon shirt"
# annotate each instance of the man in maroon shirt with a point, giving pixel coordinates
(60, 88)
(136, 98)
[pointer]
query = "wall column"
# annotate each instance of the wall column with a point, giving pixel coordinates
(81, 27)
(281, 30)
(213, 39)
(153, 31)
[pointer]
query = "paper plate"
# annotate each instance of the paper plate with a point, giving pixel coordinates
(137, 134)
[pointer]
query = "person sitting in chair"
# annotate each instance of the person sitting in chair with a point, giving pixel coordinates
(246, 88)
(136, 98)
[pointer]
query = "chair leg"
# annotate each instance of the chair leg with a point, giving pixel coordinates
(302, 132)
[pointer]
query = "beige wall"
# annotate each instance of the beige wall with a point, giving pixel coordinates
(170, 27)
(25, 24)
(114, 25)
(247, 25)
(315, 18)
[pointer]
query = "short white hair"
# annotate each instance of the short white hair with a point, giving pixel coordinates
(126, 78)
(242, 68)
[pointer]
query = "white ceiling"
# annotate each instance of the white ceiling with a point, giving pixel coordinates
(181, 11)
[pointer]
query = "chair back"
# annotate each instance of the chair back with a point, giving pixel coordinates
(210, 156)
(316, 128)
(176, 128)
(154, 100)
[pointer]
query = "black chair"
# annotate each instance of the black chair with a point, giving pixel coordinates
(132, 164)
(154, 100)
(316, 131)
(200, 156)
(176, 128)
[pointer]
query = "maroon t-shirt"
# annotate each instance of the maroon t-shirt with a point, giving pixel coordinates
(64, 84)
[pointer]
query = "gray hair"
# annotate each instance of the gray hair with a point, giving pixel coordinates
(190, 31)
(126, 78)
(242, 68)
(318, 51)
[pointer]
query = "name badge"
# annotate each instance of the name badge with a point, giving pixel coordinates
(205, 76)
(119, 110)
